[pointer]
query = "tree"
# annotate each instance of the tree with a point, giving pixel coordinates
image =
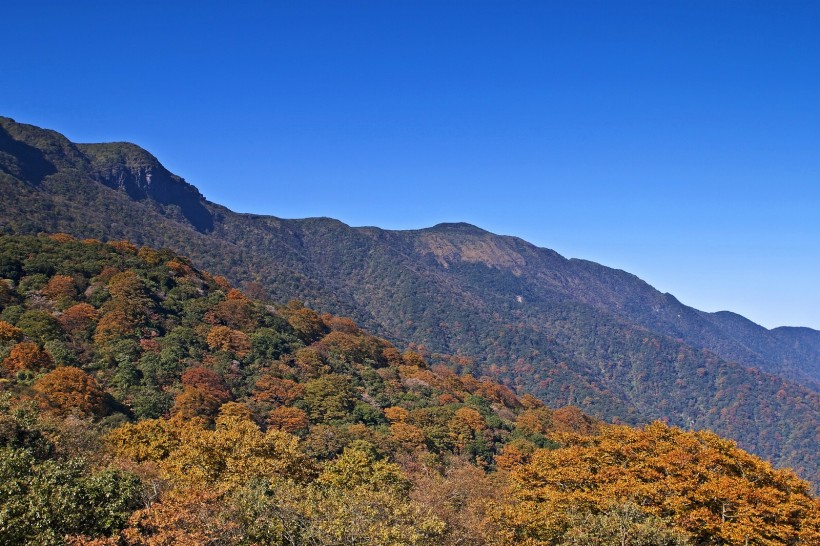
(194, 402)
(708, 487)
(396, 414)
(311, 362)
(40, 326)
(622, 525)
(43, 501)
(288, 419)
(128, 290)
(207, 381)
(277, 392)
(60, 287)
(190, 519)
(465, 425)
(409, 437)
(534, 421)
(234, 452)
(9, 332)
(307, 323)
(572, 419)
(69, 390)
(115, 324)
(223, 338)
(27, 356)
(330, 398)
(78, 318)
(236, 311)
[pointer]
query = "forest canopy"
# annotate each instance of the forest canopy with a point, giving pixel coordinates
(147, 402)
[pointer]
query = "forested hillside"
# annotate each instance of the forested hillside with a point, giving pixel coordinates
(145, 402)
(570, 331)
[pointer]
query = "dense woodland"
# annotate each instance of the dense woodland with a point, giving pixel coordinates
(569, 331)
(146, 402)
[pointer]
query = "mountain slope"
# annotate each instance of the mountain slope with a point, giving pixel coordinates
(144, 401)
(571, 331)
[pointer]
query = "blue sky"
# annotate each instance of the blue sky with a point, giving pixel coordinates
(679, 141)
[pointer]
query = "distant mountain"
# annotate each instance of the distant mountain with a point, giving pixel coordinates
(571, 331)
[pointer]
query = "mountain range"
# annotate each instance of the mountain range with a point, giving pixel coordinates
(570, 331)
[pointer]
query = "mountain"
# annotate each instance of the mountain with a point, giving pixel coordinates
(570, 331)
(145, 401)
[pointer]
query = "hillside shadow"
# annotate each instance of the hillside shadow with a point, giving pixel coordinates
(26, 162)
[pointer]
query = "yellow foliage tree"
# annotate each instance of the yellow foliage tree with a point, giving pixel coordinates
(709, 487)
(194, 456)
(9, 332)
(222, 338)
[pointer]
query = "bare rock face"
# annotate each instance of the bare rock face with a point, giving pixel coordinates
(126, 167)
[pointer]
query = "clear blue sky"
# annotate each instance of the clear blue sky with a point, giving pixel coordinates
(676, 140)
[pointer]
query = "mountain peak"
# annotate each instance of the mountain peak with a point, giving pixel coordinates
(462, 227)
(31, 155)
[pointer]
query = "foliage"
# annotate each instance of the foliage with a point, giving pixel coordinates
(570, 331)
(68, 390)
(230, 421)
(700, 483)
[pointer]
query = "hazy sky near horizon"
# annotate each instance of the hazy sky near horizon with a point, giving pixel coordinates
(679, 141)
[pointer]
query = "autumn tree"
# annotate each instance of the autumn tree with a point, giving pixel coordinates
(69, 390)
(129, 290)
(194, 402)
(408, 437)
(223, 338)
(9, 332)
(465, 425)
(307, 323)
(78, 318)
(572, 419)
(60, 287)
(708, 487)
(311, 362)
(288, 419)
(534, 421)
(115, 324)
(207, 381)
(396, 414)
(234, 452)
(625, 524)
(27, 356)
(275, 392)
(235, 311)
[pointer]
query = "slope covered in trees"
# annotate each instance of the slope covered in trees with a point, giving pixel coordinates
(145, 402)
(570, 331)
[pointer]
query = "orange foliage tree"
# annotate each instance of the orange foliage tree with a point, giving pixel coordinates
(288, 419)
(307, 323)
(9, 332)
(193, 402)
(208, 381)
(235, 311)
(277, 392)
(26, 356)
(60, 286)
(68, 390)
(78, 318)
(114, 325)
